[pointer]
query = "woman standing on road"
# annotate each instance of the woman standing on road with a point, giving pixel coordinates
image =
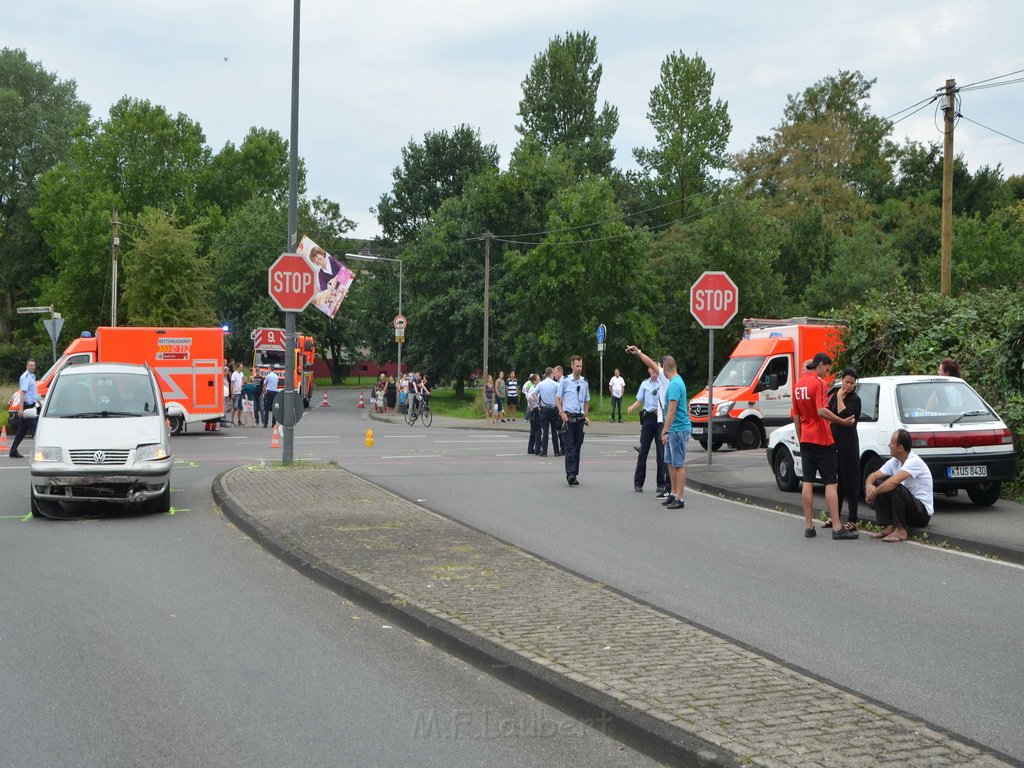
(844, 402)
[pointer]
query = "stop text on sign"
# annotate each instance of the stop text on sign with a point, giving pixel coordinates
(714, 299)
(298, 283)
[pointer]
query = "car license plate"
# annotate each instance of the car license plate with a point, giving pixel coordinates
(967, 471)
(698, 431)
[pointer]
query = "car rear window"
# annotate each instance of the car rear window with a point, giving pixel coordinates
(938, 401)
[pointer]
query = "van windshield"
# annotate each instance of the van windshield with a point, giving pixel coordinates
(102, 395)
(739, 371)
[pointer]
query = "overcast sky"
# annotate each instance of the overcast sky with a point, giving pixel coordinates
(376, 74)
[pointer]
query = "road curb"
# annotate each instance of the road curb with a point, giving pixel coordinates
(639, 731)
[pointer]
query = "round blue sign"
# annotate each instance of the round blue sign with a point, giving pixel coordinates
(601, 333)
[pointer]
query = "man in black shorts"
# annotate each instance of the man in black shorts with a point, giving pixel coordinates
(817, 446)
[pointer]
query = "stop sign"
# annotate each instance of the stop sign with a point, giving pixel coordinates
(292, 282)
(714, 299)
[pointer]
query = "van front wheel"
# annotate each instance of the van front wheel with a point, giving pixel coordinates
(176, 423)
(748, 437)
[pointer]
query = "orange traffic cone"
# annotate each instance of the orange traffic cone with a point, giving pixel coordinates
(325, 404)
(3, 439)
(275, 441)
(362, 403)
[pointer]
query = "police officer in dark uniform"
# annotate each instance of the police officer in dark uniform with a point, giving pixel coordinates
(574, 410)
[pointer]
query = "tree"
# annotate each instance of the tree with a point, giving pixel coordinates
(829, 153)
(431, 173)
(38, 117)
(559, 104)
(691, 132)
(257, 168)
(166, 281)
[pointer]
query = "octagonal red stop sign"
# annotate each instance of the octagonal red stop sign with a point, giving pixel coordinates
(714, 299)
(292, 282)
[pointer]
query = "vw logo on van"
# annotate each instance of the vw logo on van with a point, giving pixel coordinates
(99, 457)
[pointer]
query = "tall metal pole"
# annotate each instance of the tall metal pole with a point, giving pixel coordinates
(487, 302)
(115, 244)
(711, 391)
(946, 254)
(399, 376)
(287, 405)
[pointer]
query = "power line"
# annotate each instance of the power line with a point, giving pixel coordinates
(993, 85)
(1005, 136)
(924, 102)
(990, 79)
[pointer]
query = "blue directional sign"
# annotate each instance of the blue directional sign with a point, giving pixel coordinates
(602, 332)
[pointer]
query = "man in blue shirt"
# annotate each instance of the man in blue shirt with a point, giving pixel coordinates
(648, 398)
(29, 399)
(676, 430)
(573, 408)
(544, 396)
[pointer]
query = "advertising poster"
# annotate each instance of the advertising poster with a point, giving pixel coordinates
(333, 278)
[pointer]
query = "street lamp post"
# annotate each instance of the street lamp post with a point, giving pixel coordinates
(385, 258)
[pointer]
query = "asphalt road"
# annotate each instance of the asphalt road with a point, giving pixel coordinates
(929, 631)
(174, 640)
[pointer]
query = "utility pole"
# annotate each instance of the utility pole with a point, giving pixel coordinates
(949, 114)
(115, 243)
(487, 301)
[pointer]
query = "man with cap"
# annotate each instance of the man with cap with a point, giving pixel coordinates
(811, 415)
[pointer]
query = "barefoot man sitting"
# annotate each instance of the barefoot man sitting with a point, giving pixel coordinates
(901, 491)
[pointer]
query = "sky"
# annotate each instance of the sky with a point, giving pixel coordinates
(377, 74)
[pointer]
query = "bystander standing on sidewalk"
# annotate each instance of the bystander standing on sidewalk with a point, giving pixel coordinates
(616, 388)
(512, 390)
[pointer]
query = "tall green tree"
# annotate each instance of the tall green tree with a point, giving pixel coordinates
(691, 131)
(256, 168)
(430, 173)
(166, 280)
(559, 104)
(138, 157)
(38, 116)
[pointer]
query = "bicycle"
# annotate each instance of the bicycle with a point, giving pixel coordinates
(419, 409)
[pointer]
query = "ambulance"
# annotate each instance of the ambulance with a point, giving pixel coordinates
(269, 355)
(754, 390)
(188, 363)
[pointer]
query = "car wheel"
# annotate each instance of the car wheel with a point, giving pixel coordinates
(785, 471)
(985, 494)
(748, 437)
(177, 423)
(161, 505)
(44, 509)
(714, 446)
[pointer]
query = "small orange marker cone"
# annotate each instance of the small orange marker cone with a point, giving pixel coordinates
(275, 440)
(362, 403)
(325, 404)
(3, 439)
(369, 438)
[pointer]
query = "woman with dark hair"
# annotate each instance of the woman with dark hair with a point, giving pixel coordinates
(844, 402)
(949, 367)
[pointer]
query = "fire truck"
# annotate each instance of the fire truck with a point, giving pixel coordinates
(270, 354)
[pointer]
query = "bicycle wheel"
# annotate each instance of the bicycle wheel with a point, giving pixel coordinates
(410, 415)
(427, 416)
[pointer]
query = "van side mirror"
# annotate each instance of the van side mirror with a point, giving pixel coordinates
(769, 381)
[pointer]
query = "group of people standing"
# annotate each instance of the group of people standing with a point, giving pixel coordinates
(901, 490)
(252, 397)
(501, 396)
(559, 406)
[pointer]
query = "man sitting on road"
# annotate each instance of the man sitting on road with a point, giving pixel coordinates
(901, 491)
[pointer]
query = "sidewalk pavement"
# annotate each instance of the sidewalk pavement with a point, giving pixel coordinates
(668, 688)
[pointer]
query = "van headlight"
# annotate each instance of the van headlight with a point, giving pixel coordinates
(722, 409)
(47, 453)
(152, 452)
